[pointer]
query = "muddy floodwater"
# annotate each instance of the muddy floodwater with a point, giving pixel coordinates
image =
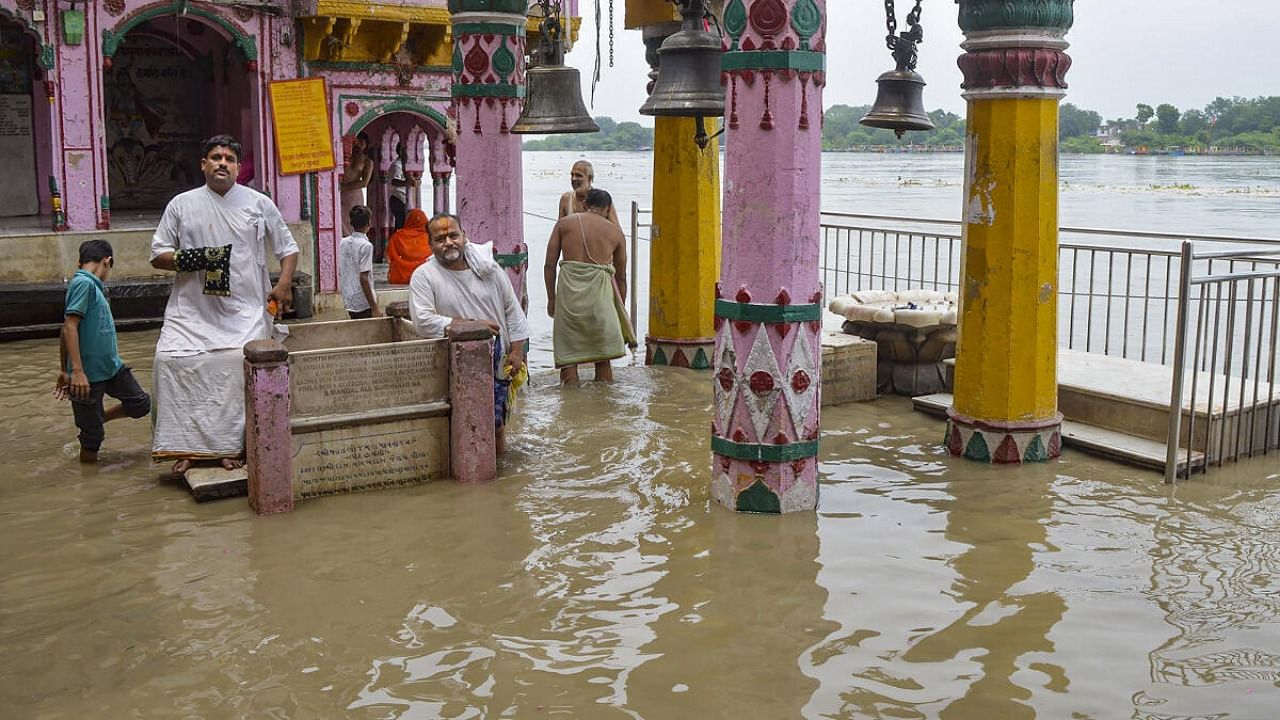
(598, 580)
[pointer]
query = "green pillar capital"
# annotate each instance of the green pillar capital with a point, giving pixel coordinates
(1051, 15)
(515, 7)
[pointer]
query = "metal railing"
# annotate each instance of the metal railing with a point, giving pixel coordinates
(1114, 299)
(1232, 316)
(636, 212)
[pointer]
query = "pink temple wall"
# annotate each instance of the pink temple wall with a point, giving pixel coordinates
(71, 138)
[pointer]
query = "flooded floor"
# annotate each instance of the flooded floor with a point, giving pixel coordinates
(598, 580)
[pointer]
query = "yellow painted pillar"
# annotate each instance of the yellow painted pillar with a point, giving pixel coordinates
(1006, 391)
(685, 247)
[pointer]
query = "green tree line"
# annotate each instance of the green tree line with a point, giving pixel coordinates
(842, 131)
(613, 135)
(1226, 124)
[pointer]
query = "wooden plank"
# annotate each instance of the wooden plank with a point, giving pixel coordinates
(213, 483)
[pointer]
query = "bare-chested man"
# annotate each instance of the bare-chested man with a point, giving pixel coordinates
(575, 201)
(355, 178)
(586, 298)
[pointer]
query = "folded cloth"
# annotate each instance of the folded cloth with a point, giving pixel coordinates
(214, 261)
(591, 324)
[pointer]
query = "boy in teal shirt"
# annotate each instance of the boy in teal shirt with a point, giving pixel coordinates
(91, 366)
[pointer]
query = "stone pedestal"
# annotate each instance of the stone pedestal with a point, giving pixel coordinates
(472, 437)
(268, 439)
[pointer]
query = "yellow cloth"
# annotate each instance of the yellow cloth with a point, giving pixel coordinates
(591, 324)
(517, 384)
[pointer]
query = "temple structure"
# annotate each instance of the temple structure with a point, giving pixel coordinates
(103, 106)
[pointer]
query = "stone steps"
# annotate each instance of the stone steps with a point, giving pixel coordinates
(1132, 398)
(1122, 447)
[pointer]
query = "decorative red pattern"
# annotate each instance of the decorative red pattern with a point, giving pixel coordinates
(768, 17)
(761, 382)
(800, 382)
(1015, 68)
(726, 377)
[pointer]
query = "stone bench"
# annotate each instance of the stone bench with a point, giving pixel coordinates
(914, 332)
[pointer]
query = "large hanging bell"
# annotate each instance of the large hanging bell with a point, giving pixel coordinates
(553, 103)
(899, 103)
(688, 83)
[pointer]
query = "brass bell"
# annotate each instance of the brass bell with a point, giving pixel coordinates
(899, 103)
(688, 83)
(553, 92)
(553, 103)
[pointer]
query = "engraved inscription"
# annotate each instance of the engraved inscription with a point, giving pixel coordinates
(370, 456)
(349, 380)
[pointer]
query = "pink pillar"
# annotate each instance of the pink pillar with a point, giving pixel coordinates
(268, 439)
(473, 456)
(768, 316)
(488, 92)
(81, 170)
(440, 191)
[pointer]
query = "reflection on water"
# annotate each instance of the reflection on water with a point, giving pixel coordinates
(598, 580)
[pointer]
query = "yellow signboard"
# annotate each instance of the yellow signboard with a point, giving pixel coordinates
(304, 134)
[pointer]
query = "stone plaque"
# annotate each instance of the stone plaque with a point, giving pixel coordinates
(370, 377)
(17, 147)
(365, 457)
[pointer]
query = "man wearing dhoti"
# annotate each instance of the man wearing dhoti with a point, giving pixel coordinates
(216, 238)
(356, 173)
(461, 282)
(586, 297)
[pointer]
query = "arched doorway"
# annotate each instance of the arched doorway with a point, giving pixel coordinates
(419, 130)
(24, 129)
(171, 82)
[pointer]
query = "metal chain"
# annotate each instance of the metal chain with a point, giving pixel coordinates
(610, 33)
(913, 22)
(915, 32)
(891, 22)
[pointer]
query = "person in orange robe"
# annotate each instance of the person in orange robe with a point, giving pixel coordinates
(408, 248)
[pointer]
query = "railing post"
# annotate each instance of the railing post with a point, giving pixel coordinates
(1179, 368)
(635, 248)
(473, 456)
(268, 440)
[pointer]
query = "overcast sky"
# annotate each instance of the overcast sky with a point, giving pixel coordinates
(1184, 52)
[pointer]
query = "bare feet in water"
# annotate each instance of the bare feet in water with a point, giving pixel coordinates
(88, 456)
(182, 466)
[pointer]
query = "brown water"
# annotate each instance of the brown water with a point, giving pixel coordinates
(598, 580)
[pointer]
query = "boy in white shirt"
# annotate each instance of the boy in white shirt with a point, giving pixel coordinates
(355, 267)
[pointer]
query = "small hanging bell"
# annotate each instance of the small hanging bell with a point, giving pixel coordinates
(553, 92)
(688, 83)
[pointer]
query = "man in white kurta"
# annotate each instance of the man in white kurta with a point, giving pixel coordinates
(199, 377)
(461, 282)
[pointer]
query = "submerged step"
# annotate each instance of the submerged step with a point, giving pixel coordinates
(1122, 447)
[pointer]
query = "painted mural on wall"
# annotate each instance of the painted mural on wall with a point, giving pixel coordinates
(17, 130)
(156, 117)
